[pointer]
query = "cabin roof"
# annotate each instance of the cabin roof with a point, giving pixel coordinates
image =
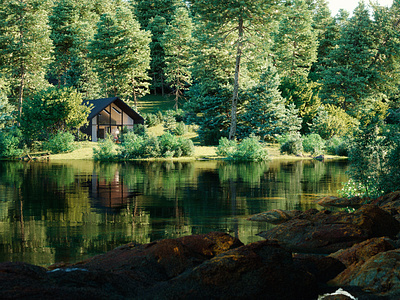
(99, 104)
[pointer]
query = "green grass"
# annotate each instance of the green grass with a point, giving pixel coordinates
(154, 103)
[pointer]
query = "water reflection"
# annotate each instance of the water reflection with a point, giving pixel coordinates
(52, 212)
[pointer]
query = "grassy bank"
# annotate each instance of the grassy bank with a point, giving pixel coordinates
(85, 151)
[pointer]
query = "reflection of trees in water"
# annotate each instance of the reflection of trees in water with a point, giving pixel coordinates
(142, 202)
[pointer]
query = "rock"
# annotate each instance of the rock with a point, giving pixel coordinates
(379, 275)
(332, 201)
(393, 197)
(324, 268)
(320, 157)
(25, 281)
(363, 251)
(161, 260)
(327, 232)
(275, 216)
(390, 203)
(357, 255)
(261, 270)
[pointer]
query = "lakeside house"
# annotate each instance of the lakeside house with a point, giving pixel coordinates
(109, 115)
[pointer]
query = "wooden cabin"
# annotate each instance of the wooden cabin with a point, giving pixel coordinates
(109, 116)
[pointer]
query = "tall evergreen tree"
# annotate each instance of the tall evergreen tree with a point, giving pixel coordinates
(25, 46)
(265, 113)
(176, 44)
(122, 54)
(62, 21)
(155, 15)
(157, 27)
(295, 43)
(241, 19)
(294, 52)
(364, 60)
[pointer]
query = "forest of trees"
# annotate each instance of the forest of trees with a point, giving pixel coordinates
(275, 69)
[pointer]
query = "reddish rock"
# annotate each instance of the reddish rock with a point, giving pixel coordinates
(363, 251)
(379, 275)
(261, 270)
(327, 232)
(161, 260)
(275, 216)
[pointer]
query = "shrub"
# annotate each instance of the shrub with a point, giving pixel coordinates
(186, 146)
(313, 144)
(60, 142)
(292, 144)
(332, 121)
(133, 145)
(332, 144)
(250, 149)
(11, 142)
(169, 120)
(343, 149)
(226, 147)
(151, 119)
(167, 145)
(180, 129)
(351, 189)
(151, 147)
(106, 150)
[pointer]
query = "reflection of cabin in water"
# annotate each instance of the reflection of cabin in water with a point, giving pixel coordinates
(110, 193)
(109, 115)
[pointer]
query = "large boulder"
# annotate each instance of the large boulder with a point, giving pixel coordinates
(261, 270)
(361, 252)
(25, 281)
(327, 232)
(161, 260)
(390, 203)
(126, 272)
(379, 275)
(324, 268)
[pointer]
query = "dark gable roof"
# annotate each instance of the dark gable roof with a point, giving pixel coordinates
(99, 104)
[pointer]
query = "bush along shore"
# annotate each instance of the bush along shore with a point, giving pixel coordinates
(307, 255)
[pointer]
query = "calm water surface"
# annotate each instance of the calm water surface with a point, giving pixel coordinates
(69, 211)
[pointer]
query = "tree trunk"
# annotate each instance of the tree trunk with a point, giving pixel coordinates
(232, 132)
(21, 90)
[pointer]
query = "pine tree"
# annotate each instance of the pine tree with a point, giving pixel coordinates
(62, 21)
(294, 52)
(25, 46)
(241, 19)
(122, 54)
(155, 15)
(295, 45)
(265, 112)
(157, 27)
(364, 60)
(176, 44)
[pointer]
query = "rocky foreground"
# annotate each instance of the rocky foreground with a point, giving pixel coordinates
(307, 254)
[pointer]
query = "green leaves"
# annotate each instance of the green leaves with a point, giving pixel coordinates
(176, 43)
(122, 54)
(51, 111)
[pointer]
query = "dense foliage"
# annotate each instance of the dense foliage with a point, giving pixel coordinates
(51, 111)
(249, 149)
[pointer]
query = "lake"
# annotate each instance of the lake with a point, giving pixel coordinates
(68, 211)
